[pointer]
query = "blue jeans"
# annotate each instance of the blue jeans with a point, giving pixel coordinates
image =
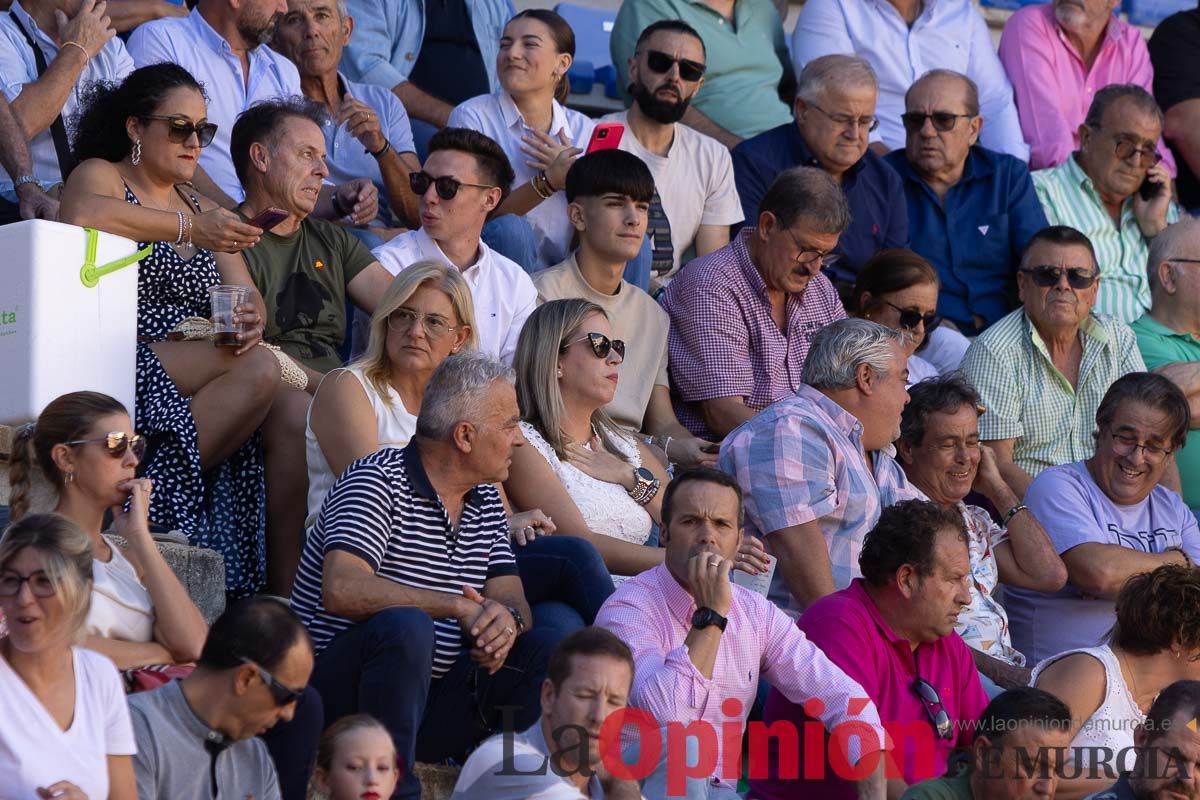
(293, 745)
(512, 237)
(565, 581)
(384, 667)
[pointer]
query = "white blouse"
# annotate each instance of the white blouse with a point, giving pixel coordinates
(121, 605)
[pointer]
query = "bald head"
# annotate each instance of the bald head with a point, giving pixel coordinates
(949, 87)
(1178, 241)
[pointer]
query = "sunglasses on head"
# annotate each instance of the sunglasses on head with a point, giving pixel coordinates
(910, 318)
(943, 121)
(282, 695)
(601, 345)
(934, 708)
(180, 129)
(661, 62)
(116, 443)
(447, 186)
(1047, 276)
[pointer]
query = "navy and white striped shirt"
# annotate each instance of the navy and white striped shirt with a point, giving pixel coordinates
(385, 511)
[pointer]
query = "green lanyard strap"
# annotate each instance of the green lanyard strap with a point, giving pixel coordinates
(90, 274)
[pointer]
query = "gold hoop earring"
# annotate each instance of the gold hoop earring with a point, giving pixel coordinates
(69, 477)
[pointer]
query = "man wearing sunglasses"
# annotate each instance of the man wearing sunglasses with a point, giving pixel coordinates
(197, 738)
(971, 210)
(1042, 370)
(1115, 191)
(696, 199)
(892, 630)
(835, 113)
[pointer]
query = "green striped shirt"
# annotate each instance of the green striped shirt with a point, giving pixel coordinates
(1069, 198)
(1029, 400)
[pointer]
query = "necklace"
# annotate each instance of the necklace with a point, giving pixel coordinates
(1132, 683)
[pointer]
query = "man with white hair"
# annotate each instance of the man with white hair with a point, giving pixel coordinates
(835, 113)
(408, 584)
(818, 467)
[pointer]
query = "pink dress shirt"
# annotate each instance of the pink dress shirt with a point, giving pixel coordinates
(652, 613)
(1054, 88)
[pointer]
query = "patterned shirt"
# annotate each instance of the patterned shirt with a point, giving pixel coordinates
(1029, 400)
(723, 341)
(1070, 198)
(983, 624)
(802, 460)
(652, 613)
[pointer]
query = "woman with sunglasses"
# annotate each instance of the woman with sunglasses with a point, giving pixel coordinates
(899, 290)
(536, 50)
(84, 444)
(66, 731)
(199, 405)
(1110, 687)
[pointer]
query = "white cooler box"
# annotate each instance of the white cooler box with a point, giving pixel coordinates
(57, 334)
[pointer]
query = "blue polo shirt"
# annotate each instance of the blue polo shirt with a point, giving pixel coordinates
(878, 214)
(975, 241)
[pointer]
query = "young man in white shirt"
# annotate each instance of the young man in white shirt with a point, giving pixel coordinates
(608, 196)
(697, 200)
(466, 176)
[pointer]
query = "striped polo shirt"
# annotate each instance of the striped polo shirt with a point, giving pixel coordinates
(1069, 198)
(385, 511)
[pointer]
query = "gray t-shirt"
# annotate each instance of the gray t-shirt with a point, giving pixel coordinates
(173, 762)
(521, 773)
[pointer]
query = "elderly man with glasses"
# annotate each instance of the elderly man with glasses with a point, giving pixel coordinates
(1116, 192)
(835, 112)
(1043, 369)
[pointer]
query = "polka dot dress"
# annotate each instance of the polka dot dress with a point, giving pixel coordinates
(222, 508)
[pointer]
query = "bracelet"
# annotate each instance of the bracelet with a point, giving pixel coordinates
(539, 188)
(546, 178)
(381, 152)
(187, 236)
(179, 238)
(1012, 512)
(648, 495)
(26, 179)
(87, 56)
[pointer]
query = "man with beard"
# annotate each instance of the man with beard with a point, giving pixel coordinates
(219, 44)
(696, 200)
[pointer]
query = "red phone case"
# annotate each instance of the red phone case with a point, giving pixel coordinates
(605, 136)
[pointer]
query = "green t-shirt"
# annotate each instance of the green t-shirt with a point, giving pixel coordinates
(1161, 345)
(956, 788)
(303, 278)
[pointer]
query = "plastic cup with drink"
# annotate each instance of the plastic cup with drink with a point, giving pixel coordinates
(225, 300)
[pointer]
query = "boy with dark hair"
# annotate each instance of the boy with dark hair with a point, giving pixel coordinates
(608, 195)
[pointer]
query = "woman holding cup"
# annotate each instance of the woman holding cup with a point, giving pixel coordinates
(200, 407)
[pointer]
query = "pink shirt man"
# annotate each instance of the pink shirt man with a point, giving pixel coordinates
(652, 613)
(1053, 87)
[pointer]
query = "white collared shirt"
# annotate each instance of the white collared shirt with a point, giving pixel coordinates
(496, 115)
(18, 68)
(502, 293)
(192, 43)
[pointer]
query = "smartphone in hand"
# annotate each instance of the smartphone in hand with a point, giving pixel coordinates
(1150, 190)
(605, 136)
(269, 218)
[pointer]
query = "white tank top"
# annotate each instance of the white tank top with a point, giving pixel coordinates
(394, 424)
(1112, 724)
(121, 606)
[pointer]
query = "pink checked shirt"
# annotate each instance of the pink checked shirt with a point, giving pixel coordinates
(652, 613)
(1053, 87)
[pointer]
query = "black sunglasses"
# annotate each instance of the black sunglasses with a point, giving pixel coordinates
(943, 121)
(909, 318)
(661, 62)
(601, 345)
(934, 708)
(1046, 276)
(180, 129)
(282, 695)
(447, 186)
(116, 443)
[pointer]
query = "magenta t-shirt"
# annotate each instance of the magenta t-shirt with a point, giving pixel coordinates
(847, 626)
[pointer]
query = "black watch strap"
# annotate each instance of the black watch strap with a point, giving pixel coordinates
(706, 617)
(520, 620)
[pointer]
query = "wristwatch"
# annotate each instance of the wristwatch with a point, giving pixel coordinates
(24, 179)
(705, 617)
(643, 483)
(520, 620)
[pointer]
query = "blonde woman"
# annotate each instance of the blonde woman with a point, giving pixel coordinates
(67, 732)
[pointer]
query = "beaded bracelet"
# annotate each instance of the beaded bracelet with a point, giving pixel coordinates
(179, 238)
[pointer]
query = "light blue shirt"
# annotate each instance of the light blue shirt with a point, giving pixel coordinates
(18, 68)
(949, 34)
(388, 35)
(345, 155)
(192, 43)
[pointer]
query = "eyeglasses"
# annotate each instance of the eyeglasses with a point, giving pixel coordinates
(601, 345)
(1125, 147)
(1047, 275)
(934, 708)
(447, 186)
(117, 442)
(1126, 445)
(1183, 260)
(403, 319)
(914, 121)
(910, 318)
(847, 121)
(39, 583)
(660, 63)
(180, 129)
(806, 255)
(282, 695)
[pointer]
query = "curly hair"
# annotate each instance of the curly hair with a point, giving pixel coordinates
(906, 534)
(1157, 609)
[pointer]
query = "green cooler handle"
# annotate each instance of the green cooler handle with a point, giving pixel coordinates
(90, 274)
